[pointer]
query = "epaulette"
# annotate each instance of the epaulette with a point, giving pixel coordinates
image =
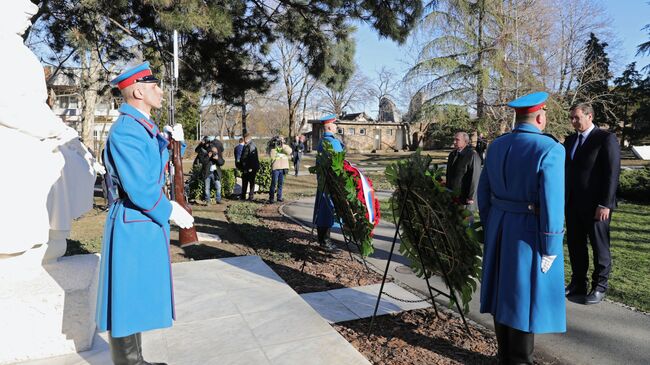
(551, 136)
(541, 134)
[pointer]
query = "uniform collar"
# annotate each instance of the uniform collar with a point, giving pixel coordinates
(140, 117)
(328, 134)
(527, 127)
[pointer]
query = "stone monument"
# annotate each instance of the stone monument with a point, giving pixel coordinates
(46, 303)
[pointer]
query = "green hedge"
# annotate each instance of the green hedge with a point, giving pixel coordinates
(263, 177)
(197, 185)
(634, 185)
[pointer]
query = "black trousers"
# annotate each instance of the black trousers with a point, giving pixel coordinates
(323, 234)
(248, 179)
(514, 346)
(581, 228)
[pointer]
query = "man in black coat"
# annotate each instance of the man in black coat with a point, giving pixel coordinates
(250, 164)
(463, 169)
(593, 164)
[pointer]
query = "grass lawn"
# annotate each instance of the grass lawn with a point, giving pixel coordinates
(629, 281)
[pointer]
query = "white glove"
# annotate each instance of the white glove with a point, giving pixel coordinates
(180, 216)
(547, 261)
(176, 132)
(99, 169)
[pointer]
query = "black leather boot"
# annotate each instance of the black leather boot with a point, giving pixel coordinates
(501, 332)
(324, 239)
(521, 345)
(128, 350)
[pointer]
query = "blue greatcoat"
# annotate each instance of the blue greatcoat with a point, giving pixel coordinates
(521, 202)
(135, 291)
(323, 206)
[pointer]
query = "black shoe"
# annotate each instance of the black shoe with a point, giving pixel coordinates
(219, 202)
(575, 289)
(280, 200)
(328, 246)
(270, 201)
(595, 297)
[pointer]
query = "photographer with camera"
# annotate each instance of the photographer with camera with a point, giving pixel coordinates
(211, 172)
(279, 153)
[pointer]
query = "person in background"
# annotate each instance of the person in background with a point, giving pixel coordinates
(521, 203)
(463, 169)
(298, 148)
(481, 147)
(211, 174)
(250, 164)
(238, 150)
(279, 153)
(593, 165)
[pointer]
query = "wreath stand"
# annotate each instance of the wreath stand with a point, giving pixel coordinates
(449, 295)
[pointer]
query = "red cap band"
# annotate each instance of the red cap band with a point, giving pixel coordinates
(522, 111)
(329, 121)
(131, 80)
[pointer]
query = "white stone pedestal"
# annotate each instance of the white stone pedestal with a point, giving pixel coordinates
(642, 152)
(50, 314)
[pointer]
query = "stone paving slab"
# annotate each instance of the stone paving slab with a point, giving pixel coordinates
(347, 304)
(233, 311)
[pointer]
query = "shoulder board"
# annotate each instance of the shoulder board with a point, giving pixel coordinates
(551, 136)
(541, 134)
(505, 134)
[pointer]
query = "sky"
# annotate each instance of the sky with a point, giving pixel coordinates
(628, 17)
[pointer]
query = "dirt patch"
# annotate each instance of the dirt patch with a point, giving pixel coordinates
(293, 253)
(418, 337)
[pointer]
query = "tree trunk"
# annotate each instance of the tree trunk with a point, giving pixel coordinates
(243, 114)
(480, 93)
(90, 77)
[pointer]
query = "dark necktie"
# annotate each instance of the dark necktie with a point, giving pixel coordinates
(581, 138)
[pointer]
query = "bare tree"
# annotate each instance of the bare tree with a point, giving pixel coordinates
(297, 82)
(337, 101)
(385, 85)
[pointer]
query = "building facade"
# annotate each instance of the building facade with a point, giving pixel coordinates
(360, 133)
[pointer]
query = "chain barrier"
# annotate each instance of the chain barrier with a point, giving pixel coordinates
(407, 300)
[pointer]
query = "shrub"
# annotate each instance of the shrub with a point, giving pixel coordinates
(263, 177)
(634, 185)
(196, 184)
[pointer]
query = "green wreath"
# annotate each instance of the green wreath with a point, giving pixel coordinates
(433, 211)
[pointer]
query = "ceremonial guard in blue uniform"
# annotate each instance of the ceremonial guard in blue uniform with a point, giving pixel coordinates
(135, 291)
(521, 203)
(323, 207)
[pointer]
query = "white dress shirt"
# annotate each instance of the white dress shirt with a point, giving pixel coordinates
(585, 134)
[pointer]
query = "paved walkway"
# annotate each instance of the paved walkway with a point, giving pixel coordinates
(234, 311)
(605, 334)
(347, 304)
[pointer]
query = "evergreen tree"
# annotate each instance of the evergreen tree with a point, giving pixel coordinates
(594, 77)
(626, 96)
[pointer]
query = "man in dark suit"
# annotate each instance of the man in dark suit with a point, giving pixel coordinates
(593, 164)
(463, 169)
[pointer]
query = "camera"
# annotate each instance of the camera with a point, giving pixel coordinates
(275, 142)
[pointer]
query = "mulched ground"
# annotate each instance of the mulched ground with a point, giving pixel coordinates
(418, 337)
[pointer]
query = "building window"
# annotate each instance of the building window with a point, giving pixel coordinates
(362, 131)
(68, 102)
(339, 131)
(351, 131)
(390, 132)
